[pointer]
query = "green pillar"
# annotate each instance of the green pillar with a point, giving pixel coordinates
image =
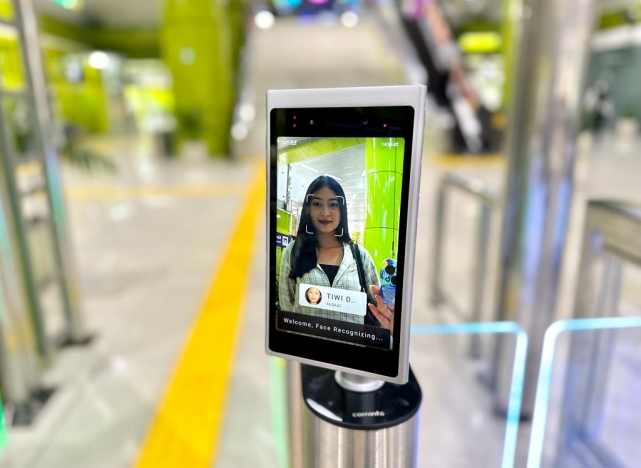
(195, 45)
(384, 176)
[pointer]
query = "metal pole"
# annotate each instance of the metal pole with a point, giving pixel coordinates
(354, 422)
(28, 29)
(479, 274)
(553, 38)
(335, 446)
(437, 252)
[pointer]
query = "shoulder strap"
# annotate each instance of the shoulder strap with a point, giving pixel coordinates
(369, 317)
(359, 266)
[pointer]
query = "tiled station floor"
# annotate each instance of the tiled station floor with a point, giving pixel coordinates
(152, 242)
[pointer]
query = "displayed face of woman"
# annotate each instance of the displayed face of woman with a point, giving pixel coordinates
(325, 210)
(313, 295)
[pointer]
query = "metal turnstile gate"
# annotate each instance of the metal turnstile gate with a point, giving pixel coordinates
(39, 300)
(31, 177)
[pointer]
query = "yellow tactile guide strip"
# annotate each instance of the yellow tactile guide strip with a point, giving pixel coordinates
(126, 193)
(185, 430)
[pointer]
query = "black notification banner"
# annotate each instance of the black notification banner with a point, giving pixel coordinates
(377, 337)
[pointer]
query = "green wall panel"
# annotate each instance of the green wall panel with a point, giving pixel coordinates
(13, 77)
(6, 10)
(623, 17)
(283, 221)
(134, 43)
(63, 30)
(344, 143)
(317, 148)
(83, 103)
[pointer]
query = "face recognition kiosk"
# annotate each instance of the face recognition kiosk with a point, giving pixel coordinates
(343, 183)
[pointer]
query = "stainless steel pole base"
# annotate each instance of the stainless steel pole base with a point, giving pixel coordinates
(347, 429)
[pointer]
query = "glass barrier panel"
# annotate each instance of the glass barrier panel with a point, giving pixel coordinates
(588, 402)
(278, 404)
(461, 424)
(3, 430)
(459, 252)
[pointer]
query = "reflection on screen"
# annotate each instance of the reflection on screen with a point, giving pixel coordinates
(337, 223)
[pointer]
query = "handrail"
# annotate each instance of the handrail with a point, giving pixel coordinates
(488, 200)
(618, 224)
(472, 186)
(631, 211)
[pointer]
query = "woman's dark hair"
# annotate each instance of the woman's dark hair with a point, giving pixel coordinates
(320, 295)
(304, 257)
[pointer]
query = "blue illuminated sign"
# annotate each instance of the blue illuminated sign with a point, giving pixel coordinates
(282, 240)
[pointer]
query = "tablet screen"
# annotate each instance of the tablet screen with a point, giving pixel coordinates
(338, 215)
(338, 199)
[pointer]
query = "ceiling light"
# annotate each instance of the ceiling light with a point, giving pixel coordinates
(247, 112)
(349, 19)
(99, 60)
(264, 19)
(239, 131)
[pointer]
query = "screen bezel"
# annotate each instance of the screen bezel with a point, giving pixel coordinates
(348, 122)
